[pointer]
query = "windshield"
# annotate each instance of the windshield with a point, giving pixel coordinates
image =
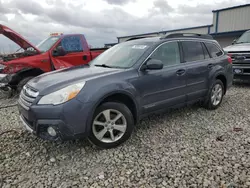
(122, 55)
(46, 44)
(245, 38)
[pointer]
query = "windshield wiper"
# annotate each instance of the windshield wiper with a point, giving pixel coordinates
(103, 65)
(241, 42)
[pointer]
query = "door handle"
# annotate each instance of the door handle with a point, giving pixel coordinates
(84, 57)
(180, 72)
(210, 66)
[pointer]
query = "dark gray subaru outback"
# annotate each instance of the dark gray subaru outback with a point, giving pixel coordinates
(104, 100)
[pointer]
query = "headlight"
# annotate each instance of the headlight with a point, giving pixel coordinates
(62, 95)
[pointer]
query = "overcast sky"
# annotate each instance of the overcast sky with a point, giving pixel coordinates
(103, 20)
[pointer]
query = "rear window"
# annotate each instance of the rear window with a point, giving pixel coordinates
(213, 50)
(192, 51)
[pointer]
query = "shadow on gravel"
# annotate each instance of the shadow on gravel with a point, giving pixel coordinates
(241, 84)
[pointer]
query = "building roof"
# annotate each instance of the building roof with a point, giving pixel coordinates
(229, 8)
(197, 27)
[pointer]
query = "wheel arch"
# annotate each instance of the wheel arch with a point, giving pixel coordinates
(23, 73)
(223, 79)
(116, 96)
(123, 97)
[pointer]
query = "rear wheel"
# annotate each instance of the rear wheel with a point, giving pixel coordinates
(215, 95)
(112, 125)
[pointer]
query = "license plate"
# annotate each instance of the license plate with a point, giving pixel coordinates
(238, 71)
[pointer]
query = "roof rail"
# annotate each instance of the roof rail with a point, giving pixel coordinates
(193, 35)
(141, 37)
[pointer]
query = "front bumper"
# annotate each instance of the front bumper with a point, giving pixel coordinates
(70, 120)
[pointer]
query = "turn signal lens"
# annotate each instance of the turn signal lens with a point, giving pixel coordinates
(230, 60)
(72, 95)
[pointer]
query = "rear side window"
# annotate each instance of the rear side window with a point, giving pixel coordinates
(192, 51)
(213, 50)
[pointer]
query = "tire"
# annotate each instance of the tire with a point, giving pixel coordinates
(22, 83)
(210, 103)
(102, 126)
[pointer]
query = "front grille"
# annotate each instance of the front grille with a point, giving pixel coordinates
(27, 97)
(240, 57)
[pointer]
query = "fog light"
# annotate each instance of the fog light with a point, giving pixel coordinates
(51, 131)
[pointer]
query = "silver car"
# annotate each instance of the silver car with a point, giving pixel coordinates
(240, 54)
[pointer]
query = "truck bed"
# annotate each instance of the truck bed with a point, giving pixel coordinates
(96, 51)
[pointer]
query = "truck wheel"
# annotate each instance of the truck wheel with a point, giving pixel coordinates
(215, 95)
(22, 83)
(112, 125)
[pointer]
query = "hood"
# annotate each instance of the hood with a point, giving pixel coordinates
(15, 37)
(49, 82)
(238, 47)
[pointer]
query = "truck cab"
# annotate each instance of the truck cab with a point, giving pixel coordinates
(55, 52)
(240, 54)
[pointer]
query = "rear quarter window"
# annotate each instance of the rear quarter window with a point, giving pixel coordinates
(213, 50)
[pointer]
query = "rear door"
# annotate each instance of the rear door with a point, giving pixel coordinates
(77, 54)
(198, 63)
(165, 87)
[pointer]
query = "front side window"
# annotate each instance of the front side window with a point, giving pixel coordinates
(72, 44)
(213, 50)
(192, 51)
(168, 53)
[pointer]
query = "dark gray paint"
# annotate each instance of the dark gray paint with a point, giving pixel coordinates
(150, 90)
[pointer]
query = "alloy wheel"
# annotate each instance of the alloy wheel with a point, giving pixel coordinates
(109, 126)
(216, 94)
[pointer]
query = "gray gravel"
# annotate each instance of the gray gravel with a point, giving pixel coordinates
(189, 147)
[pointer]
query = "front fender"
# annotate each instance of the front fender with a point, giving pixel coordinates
(95, 95)
(94, 92)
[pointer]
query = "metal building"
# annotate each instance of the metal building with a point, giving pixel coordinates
(228, 24)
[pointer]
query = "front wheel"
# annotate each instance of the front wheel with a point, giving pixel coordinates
(215, 95)
(112, 125)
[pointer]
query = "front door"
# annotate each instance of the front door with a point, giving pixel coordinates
(75, 52)
(198, 62)
(166, 87)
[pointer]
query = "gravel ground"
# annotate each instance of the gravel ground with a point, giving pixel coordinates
(189, 147)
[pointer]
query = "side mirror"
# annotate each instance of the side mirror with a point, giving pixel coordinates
(234, 41)
(59, 51)
(152, 64)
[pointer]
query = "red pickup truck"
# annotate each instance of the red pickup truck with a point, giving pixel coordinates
(56, 52)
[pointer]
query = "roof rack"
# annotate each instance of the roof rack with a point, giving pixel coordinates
(193, 35)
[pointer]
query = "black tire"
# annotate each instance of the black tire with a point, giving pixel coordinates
(124, 110)
(22, 83)
(208, 102)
